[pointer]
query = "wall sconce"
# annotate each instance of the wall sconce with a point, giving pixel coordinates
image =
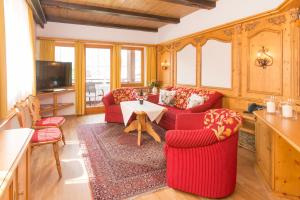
(263, 59)
(165, 65)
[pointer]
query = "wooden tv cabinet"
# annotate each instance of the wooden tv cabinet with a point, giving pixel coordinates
(56, 105)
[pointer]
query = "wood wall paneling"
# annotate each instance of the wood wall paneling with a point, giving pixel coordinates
(165, 76)
(269, 80)
(278, 31)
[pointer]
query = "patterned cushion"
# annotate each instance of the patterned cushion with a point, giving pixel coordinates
(223, 122)
(46, 135)
(184, 93)
(123, 94)
(50, 121)
(166, 97)
(205, 93)
(195, 100)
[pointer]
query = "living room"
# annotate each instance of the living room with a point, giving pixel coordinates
(149, 99)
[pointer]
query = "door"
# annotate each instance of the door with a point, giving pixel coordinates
(98, 66)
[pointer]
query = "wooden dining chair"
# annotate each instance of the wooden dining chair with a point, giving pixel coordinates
(47, 122)
(41, 136)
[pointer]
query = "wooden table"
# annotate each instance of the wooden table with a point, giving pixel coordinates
(278, 151)
(142, 124)
(143, 113)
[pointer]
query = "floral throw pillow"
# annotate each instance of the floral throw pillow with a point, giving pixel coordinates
(195, 100)
(167, 97)
(223, 122)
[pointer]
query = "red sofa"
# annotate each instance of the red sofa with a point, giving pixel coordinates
(113, 110)
(201, 153)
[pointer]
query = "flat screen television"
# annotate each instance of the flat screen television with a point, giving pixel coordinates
(53, 75)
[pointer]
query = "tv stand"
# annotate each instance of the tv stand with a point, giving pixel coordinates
(55, 106)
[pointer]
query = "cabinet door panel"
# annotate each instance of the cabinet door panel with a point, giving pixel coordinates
(264, 149)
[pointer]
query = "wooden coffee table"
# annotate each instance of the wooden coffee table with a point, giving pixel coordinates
(145, 113)
(142, 124)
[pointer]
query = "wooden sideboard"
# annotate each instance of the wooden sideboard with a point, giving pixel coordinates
(278, 152)
(15, 164)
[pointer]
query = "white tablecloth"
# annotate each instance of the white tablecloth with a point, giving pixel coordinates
(153, 111)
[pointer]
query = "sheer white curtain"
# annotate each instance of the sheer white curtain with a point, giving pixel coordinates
(19, 52)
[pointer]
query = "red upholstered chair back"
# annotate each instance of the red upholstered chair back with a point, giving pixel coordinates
(223, 122)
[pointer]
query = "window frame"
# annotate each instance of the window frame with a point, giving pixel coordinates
(67, 44)
(135, 84)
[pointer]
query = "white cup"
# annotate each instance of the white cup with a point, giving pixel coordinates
(271, 107)
(287, 111)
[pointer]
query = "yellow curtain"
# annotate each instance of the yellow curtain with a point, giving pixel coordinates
(115, 75)
(151, 64)
(80, 78)
(47, 50)
(3, 94)
(32, 32)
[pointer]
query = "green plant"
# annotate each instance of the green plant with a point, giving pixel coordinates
(154, 84)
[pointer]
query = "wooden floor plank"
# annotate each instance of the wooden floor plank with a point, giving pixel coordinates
(74, 184)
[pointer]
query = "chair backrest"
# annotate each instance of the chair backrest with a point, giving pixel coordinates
(90, 87)
(23, 114)
(223, 122)
(99, 90)
(10, 122)
(34, 108)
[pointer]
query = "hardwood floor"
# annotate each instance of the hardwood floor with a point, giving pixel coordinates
(74, 185)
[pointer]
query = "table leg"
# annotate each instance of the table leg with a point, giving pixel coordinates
(151, 132)
(132, 126)
(140, 119)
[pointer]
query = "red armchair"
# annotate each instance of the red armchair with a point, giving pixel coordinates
(202, 153)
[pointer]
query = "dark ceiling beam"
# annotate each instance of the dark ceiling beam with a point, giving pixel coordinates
(101, 24)
(37, 11)
(110, 11)
(205, 4)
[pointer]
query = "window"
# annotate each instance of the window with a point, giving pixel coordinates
(66, 54)
(19, 51)
(98, 64)
(132, 65)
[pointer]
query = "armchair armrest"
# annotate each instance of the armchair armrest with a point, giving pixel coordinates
(108, 99)
(190, 138)
(189, 121)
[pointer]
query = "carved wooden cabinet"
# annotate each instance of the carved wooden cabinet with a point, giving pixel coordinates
(278, 152)
(264, 146)
(15, 164)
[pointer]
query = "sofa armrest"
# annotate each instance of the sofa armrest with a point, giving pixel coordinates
(190, 138)
(108, 99)
(153, 98)
(189, 121)
(214, 102)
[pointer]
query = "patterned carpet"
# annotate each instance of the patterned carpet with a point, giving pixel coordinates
(117, 167)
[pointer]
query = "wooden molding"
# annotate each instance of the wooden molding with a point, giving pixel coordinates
(111, 11)
(38, 13)
(206, 4)
(278, 20)
(101, 24)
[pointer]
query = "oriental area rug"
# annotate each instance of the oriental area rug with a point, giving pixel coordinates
(117, 167)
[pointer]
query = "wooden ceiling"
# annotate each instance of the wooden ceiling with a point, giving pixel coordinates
(144, 15)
